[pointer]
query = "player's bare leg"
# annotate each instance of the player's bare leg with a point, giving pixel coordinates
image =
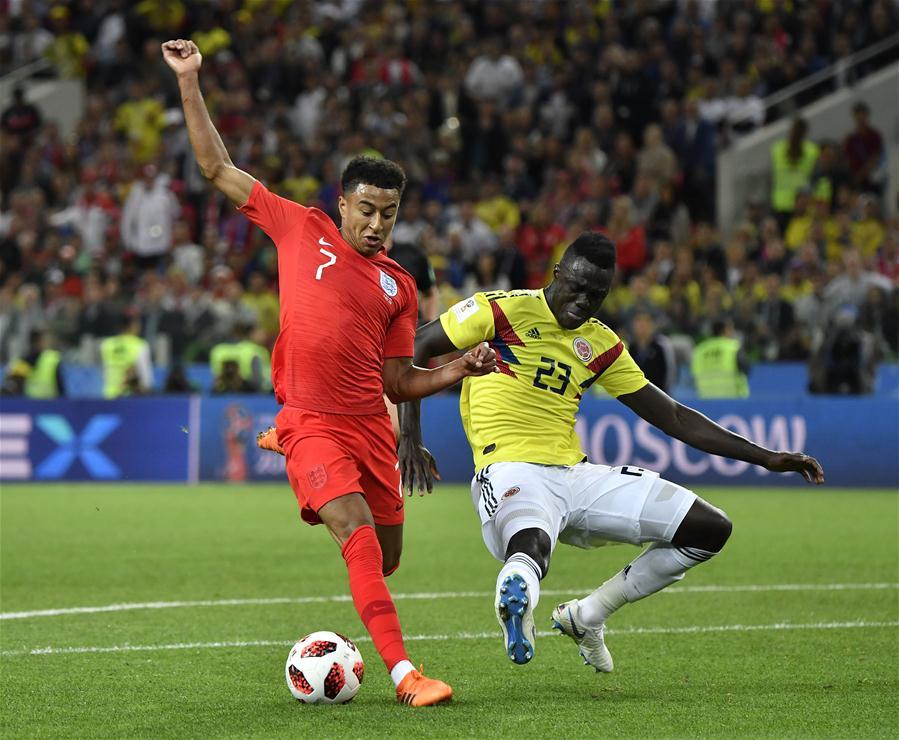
(349, 520)
(518, 591)
(390, 537)
(705, 527)
(701, 534)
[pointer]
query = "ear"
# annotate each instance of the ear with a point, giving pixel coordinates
(556, 270)
(342, 207)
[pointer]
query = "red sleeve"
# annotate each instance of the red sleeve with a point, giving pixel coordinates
(275, 215)
(400, 339)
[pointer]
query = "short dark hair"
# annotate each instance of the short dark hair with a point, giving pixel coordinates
(861, 107)
(594, 247)
(382, 173)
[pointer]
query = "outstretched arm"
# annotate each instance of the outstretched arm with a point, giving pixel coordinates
(185, 59)
(404, 381)
(697, 430)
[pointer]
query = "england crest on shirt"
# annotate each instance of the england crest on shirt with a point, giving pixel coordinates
(388, 284)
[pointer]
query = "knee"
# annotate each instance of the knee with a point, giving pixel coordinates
(535, 544)
(718, 530)
(391, 563)
(345, 515)
(705, 527)
(343, 530)
(391, 541)
(390, 568)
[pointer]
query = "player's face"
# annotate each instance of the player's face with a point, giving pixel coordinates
(367, 216)
(579, 288)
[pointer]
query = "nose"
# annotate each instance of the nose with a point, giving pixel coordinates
(375, 222)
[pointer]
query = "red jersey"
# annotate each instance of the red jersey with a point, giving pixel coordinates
(341, 313)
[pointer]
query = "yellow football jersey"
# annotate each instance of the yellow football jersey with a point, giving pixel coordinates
(526, 412)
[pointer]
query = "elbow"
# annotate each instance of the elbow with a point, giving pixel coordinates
(398, 381)
(209, 172)
(394, 393)
(212, 170)
(677, 425)
(671, 418)
(396, 397)
(679, 417)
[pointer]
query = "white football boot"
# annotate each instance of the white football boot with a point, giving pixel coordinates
(590, 642)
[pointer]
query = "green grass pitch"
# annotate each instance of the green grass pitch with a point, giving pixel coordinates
(790, 632)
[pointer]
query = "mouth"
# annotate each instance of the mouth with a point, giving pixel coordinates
(577, 315)
(373, 242)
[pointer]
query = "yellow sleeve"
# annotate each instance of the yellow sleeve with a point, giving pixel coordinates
(468, 322)
(623, 376)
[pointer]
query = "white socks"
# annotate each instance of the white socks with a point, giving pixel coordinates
(658, 566)
(524, 566)
(400, 671)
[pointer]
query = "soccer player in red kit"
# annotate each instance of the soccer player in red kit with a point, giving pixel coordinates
(348, 316)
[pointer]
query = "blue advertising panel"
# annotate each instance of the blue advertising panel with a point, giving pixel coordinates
(855, 439)
(139, 439)
(188, 439)
(228, 428)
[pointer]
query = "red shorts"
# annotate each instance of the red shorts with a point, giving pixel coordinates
(331, 455)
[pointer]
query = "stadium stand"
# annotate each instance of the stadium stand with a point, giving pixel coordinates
(514, 140)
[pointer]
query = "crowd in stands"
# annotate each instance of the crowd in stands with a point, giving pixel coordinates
(519, 124)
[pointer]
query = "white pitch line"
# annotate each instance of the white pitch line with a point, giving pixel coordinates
(692, 629)
(427, 596)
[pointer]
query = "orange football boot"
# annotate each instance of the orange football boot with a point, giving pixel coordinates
(417, 690)
(268, 440)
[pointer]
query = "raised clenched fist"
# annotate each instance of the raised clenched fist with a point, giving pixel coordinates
(182, 55)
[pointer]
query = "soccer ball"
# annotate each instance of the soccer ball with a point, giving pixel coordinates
(324, 668)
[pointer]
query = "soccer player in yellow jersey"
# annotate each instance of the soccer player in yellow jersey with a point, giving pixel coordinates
(533, 486)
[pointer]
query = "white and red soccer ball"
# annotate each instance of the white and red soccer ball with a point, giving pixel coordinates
(324, 668)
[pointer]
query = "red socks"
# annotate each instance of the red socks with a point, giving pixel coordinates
(364, 561)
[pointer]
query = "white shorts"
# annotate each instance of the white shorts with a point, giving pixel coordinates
(584, 505)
